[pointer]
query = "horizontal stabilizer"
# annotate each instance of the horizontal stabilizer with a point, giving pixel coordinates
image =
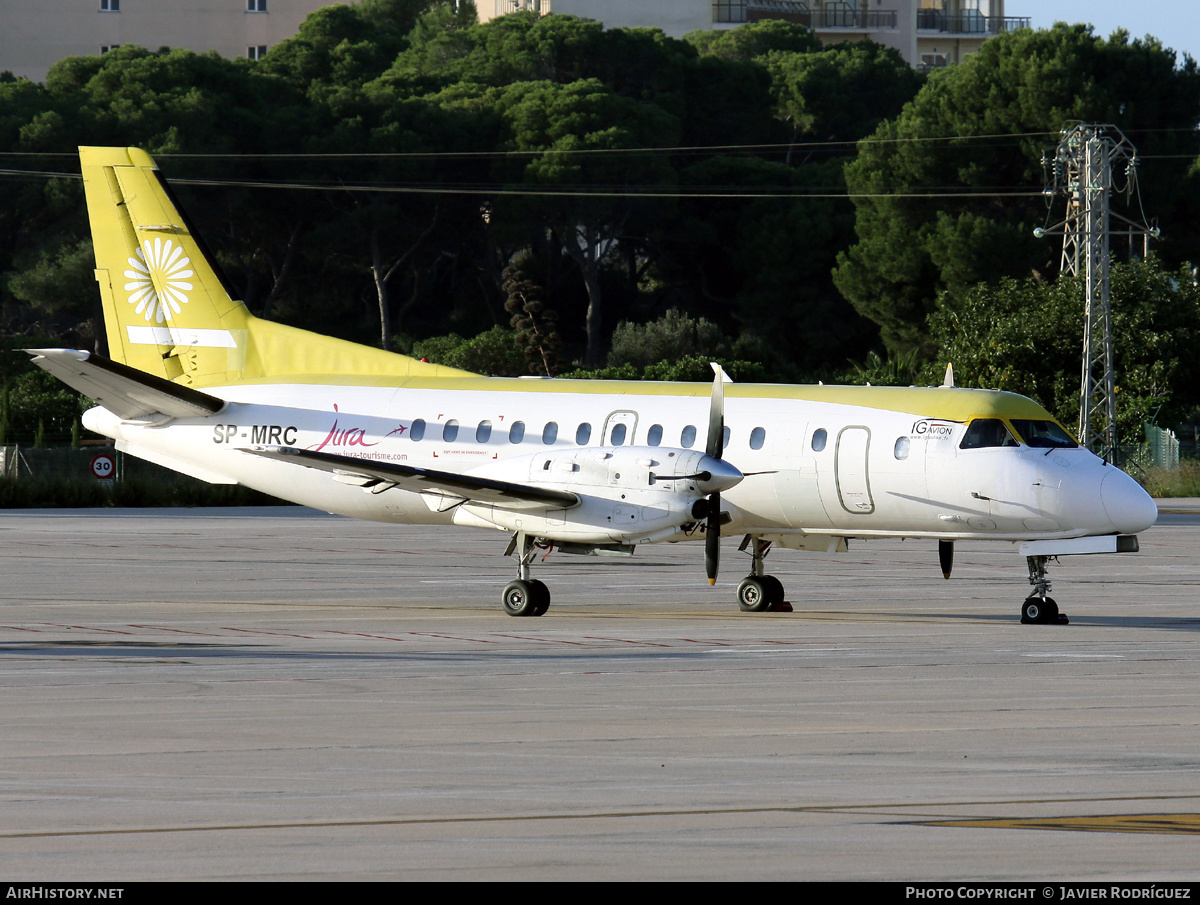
(421, 480)
(126, 392)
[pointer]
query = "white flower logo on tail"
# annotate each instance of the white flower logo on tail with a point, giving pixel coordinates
(168, 263)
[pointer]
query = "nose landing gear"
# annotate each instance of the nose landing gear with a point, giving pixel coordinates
(1040, 607)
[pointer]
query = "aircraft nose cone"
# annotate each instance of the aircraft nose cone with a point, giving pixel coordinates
(1127, 505)
(722, 475)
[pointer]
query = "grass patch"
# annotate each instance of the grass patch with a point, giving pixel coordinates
(1173, 482)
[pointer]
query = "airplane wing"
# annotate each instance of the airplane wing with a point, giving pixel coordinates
(421, 480)
(124, 391)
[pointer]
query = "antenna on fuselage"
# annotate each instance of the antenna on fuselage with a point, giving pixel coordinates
(949, 380)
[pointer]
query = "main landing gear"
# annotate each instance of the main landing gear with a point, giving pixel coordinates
(1040, 607)
(760, 592)
(526, 596)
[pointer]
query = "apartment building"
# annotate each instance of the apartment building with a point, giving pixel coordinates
(928, 33)
(36, 33)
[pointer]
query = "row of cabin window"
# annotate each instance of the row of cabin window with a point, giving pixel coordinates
(583, 434)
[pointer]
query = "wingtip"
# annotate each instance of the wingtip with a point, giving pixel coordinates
(711, 582)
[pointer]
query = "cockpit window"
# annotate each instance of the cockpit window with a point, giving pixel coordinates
(1043, 434)
(986, 432)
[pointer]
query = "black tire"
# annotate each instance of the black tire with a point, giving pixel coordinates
(774, 587)
(541, 597)
(520, 598)
(753, 596)
(1039, 611)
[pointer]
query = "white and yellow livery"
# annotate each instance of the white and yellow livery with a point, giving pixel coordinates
(198, 384)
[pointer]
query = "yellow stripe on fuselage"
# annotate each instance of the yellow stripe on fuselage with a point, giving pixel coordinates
(946, 403)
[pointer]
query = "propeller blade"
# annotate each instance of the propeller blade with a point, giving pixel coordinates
(712, 538)
(714, 447)
(946, 556)
(716, 416)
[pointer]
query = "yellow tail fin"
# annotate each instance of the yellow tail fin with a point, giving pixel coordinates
(167, 310)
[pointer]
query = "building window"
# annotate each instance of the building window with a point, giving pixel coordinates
(729, 11)
(110, 6)
(256, 6)
(105, 48)
(257, 52)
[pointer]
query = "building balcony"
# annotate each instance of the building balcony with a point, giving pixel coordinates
(971, 22)
(797, 11)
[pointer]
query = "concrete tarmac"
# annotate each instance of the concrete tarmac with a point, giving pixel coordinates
(280, 694)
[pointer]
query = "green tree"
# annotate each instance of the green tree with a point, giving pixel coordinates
(674, 335)
(755, 40)
(562, 140)
(1027, 337)
(842, 93)
(343, 45)
(59, 280)
(532, 322)
(492, 352)
(638, 63)
(980, 128)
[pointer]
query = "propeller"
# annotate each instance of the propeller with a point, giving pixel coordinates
(714, 447)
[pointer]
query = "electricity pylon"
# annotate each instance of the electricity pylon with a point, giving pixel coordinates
(1082, 170)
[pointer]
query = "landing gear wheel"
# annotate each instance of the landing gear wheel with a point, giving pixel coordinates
(1041, 611)
(774, 589)
(753, 595)
(541, 597)
(521, 598)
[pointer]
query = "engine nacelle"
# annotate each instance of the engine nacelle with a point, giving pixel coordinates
(626, 493)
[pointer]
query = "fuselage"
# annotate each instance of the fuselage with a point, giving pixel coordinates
(844, 461)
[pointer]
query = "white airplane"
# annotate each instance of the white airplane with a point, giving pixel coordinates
(198, 384)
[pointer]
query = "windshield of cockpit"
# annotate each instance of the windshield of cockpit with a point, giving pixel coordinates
(983, 433)
(1043, 434)
(986, 432)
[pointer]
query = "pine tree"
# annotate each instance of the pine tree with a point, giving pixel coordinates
(533, 322)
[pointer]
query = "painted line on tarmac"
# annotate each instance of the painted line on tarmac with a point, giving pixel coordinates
(1139, 823)
(1167, 824)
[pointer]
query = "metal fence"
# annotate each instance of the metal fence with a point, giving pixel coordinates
(72, 462)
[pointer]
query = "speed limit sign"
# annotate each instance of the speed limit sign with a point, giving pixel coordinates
(103, 466)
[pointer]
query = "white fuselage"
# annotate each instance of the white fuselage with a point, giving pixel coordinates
(812, 468)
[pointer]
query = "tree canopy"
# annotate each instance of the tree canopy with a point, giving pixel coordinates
(375, 175)
(979, 130)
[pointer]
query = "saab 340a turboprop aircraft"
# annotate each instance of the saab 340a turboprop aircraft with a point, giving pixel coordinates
(198, 384)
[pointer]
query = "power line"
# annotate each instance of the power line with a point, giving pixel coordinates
(566, 191)
(403, 155)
